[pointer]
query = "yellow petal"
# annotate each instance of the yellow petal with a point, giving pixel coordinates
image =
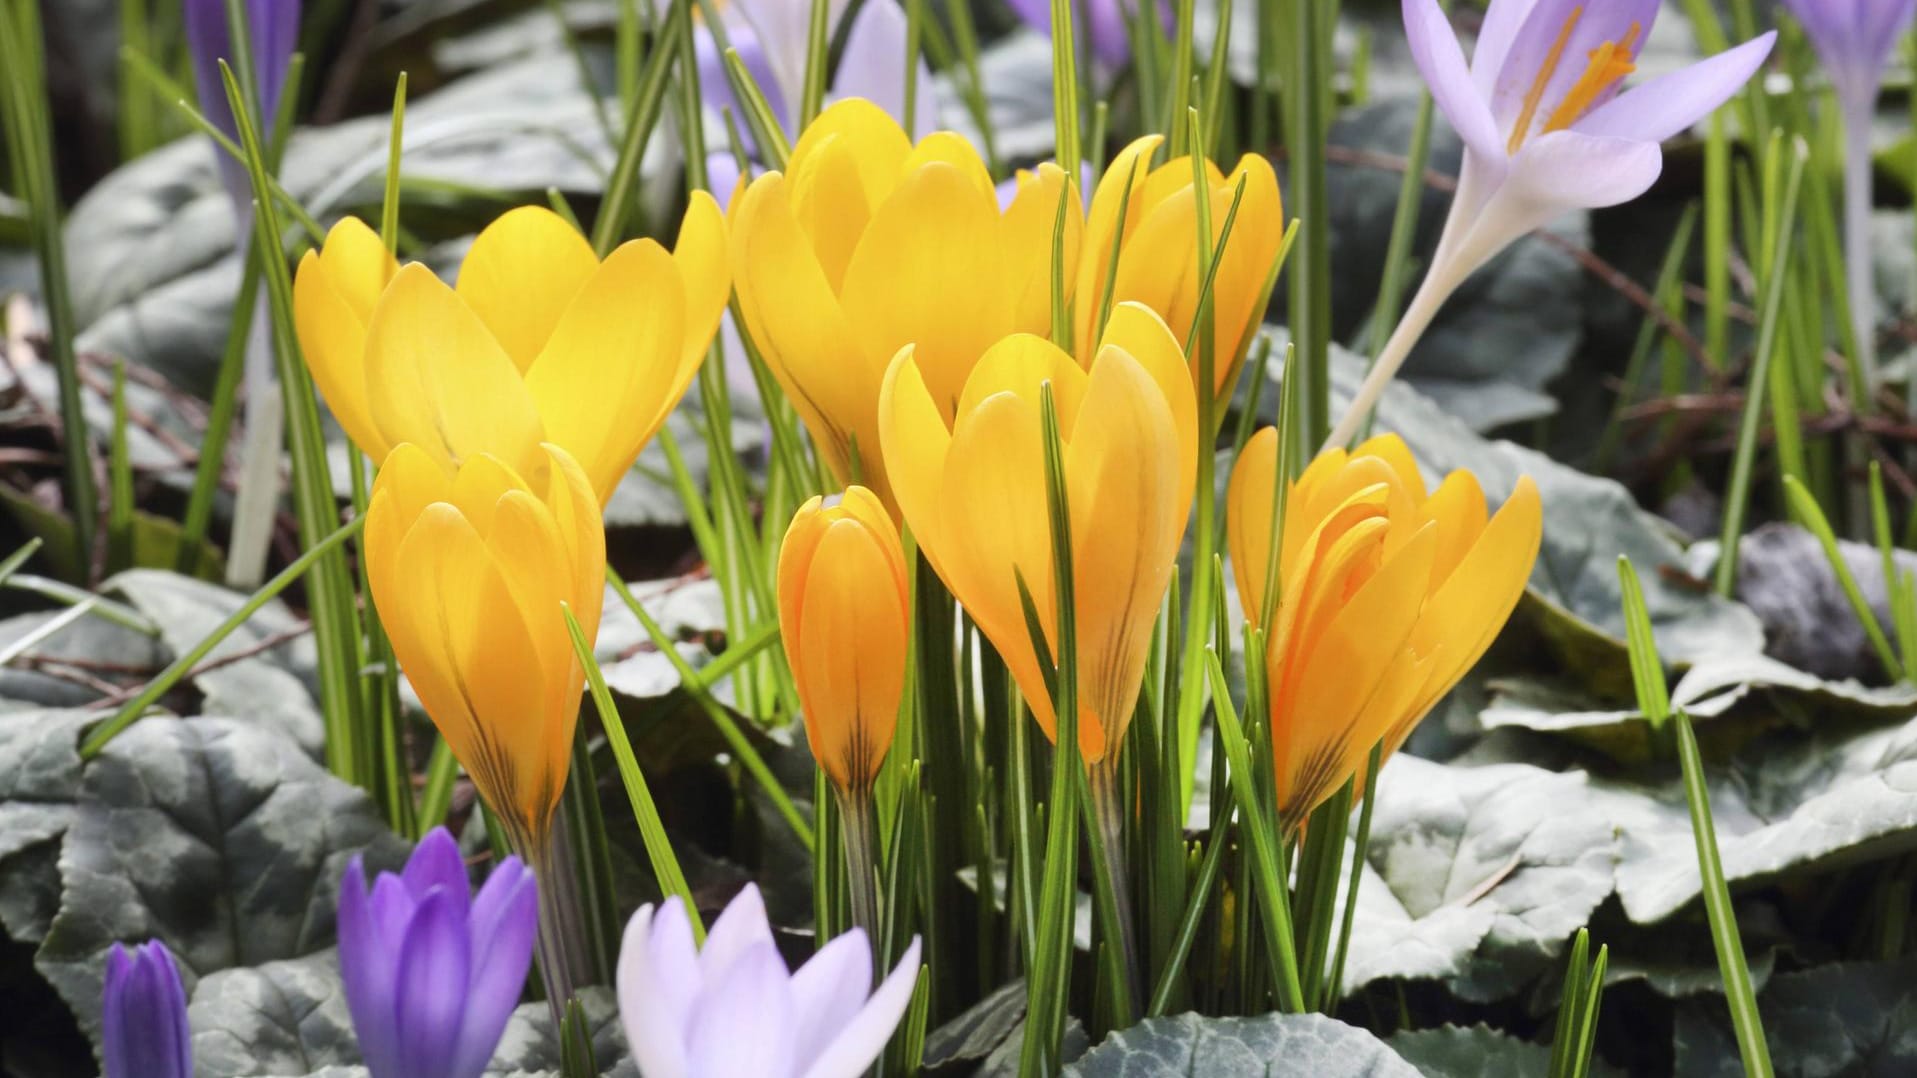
(1026, 244)
(914, 441)
(924, 274)
(521, 275)
(952, 149)
(1141, 334)
(1125, 476)
(334, 294)
(609, 374)
(1458, 508)
(481, 482)
(794, 318)
(438, 379)
(829, 202)
(1019, 364)
(1120, 193)
(706, 274)
(1248, 520)
(575, 511)
(854, 656)
(875, 140)
(795, 562)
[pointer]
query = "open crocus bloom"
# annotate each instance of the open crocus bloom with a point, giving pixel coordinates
(973, 490)
(845, 616)
(1158, 260)
(732, 1008)
(1547, 127)
(432, 972)
(539, 340)
(868, 243)
(1388, 595)
(468, 570)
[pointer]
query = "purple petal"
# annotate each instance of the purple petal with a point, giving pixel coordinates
(741, 926)
(1671, 104)
(1562, 34)
(1854, 39)
(1500, 27)
(1434, 48)
(367, 964)
(436, 863)
(742, 1023)
(716, 89)
(144, 1030)
(782, 27)
(435, 961)
(1572, 170)
(873, 67)
(860, 1041)
(505, 920)
(828, 990)
(273, 26)
(654, 1001)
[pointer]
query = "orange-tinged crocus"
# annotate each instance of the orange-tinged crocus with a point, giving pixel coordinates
(845, 617)
(468, 570)
(538, 341)
(867, 243)
(1387, 595)
(1158, 249)
(973, 490)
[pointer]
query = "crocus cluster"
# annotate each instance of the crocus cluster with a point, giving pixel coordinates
(143, 1028)
(432, 971)
(1547, 127)
(1387, 594)
(732, 1008)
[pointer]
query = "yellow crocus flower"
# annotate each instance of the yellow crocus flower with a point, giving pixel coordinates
(973, 490)
(539, 340)
(845, 617)
(1388, 595)
(867, 243)
(468, 569)
(1158, 250)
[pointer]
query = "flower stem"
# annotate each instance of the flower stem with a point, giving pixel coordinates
(1418, 314)
(1107, 809)
(1859, 280)
(861, 866)
(557, 947)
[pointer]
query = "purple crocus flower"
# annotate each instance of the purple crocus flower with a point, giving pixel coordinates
(1547, 127)
(143, 1024)
(1854, 38)
(432, 974)
(274, 27)
(1105, 24)
(732, 1008)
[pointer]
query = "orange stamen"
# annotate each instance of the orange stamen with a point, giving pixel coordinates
(1522, 128)
(1610, 63)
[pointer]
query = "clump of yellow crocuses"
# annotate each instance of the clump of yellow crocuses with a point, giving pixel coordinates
(1388, 595)
(867, 243)
(538, 341)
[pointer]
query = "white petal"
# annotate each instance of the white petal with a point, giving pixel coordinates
(864, 1037)
(742, 1024)
(742, 925)
(829, 989)
(654, 992)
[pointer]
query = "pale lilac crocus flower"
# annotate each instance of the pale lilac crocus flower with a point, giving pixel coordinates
(1547, 127)
(732, 1008)
(431, 972)
(143, 1028)
(1854, 38)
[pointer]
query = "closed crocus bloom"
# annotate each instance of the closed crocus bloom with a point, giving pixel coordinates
(539, 341)
(867, 243)
(143, 1028)
(973, 491)
(1388, 594)
(1158, 252)
(432, 972)
(468, 569)
(732, 1008)
(845, 617)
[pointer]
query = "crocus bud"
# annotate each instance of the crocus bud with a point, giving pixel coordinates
(143, 1023)
(431, 974)
(274, 27)
(733, 1008)
(845, 616)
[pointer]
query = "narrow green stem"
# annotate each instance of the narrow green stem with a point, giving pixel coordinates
(1112, 886)
(861, 861)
